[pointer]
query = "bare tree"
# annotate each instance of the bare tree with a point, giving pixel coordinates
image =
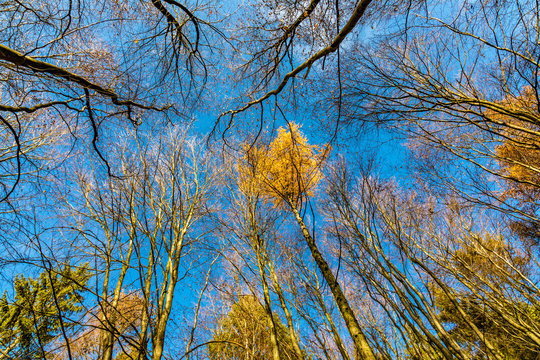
(429, 269)
(92, 66)
(462, 88)
(285, 39)
(139, 230)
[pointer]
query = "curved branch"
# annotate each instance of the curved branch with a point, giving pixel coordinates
(28, 62)
(31, 109)
(351, 24)
(18, 157)
(305, 14)
(192, 18)
(95, 130)
(217, 342)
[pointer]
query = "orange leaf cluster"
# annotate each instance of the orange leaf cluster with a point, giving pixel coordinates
(519, 154)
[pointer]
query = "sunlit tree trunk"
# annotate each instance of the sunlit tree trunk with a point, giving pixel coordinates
(362, 346)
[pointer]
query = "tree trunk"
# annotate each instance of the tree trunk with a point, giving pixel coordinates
(363, 349)
(267, 306)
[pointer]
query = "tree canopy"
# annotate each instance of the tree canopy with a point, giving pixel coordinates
(269, 179)
(244, 332)
(286, 170)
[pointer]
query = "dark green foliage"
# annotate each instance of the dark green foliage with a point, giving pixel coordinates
(40, 308)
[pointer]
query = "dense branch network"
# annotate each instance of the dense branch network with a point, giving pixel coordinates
(353, 20)
(427, 249)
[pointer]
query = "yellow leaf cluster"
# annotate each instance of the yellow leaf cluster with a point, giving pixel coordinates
(519, 154)
(489, 257)
(285, 171)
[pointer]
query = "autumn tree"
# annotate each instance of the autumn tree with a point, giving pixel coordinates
(470, 123)
(451, 285)
(417, 263)
(491, 263)
(519, 157)
(288, 171)
(125, 319)
(250, 229)
(244, 333)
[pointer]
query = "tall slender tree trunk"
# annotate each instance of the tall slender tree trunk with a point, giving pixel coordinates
(290, 325)
(267, 305)
(167, 294)
(363, 349)
(145, 318)
(108, 343)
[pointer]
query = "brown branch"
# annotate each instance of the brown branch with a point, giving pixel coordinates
(305, 14)
(18, 157)
(351, 24)
(31, 109)
(192, 18)
(48, 267)
(37, 66)
(95, 136)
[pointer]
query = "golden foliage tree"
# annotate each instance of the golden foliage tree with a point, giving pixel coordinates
(520, 151)
(286, 170)
(489, 269)
(519, 157)
(244, 334)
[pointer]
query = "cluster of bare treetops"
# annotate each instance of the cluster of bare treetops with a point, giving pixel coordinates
(269, 179)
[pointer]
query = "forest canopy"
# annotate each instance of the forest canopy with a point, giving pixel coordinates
(307, 179)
